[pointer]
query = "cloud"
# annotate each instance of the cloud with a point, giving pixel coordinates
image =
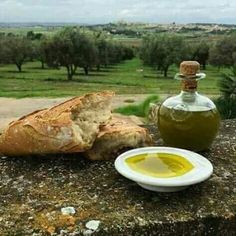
(101, 11)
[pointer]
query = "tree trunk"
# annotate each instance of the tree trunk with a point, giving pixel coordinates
(69, 73)
(19, 67)
(42, 65)
(165, 71)
(98, 67)
(73, 69)
(86, 70)
(204, 66)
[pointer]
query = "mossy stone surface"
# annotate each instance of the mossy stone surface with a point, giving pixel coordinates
(33, 190)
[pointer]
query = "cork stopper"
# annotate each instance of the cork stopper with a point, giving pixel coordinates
(189, 68)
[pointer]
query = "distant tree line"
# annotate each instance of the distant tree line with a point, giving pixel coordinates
(163, 51)
(72, 48)
(69, 48)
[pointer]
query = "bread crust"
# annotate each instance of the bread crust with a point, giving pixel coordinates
(60, 129)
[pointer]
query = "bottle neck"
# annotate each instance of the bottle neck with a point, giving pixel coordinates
(187, 93)
(189, 85)
(188, 96)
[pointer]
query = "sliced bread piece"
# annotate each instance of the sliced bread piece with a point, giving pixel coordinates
(117, 135)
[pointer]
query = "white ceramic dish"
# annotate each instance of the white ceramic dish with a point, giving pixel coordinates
(202, 170)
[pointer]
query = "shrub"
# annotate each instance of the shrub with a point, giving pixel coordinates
(226, 103)
(226, 107)
(141, 109)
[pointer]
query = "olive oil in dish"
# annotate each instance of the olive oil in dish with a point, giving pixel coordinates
(163, 169)
(160, 165)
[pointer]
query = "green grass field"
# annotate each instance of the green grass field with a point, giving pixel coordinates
(124, 78)
(23, 30)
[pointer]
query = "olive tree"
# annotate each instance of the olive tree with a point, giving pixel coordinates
(201, 53)
(102, 52)
(87, 52)
(16, 50)
(223, 52)
(40, 50)
(1, 50)
(163, 51)
(71, 49)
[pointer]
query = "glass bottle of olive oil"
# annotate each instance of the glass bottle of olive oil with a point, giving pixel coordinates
(188, 120)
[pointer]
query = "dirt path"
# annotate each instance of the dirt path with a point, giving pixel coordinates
(11, 109)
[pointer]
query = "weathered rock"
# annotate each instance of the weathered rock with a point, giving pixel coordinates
(33, 190)
(93, 224)
(68, 211)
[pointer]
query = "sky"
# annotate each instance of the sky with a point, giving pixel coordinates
(105, 11)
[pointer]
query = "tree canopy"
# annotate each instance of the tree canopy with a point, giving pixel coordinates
(16, 50)
(72, 48)
(163, 51)
(201, 53)
(223, 53)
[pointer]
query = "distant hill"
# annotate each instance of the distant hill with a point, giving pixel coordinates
(60, 24)
(36, 24)
(125, 30)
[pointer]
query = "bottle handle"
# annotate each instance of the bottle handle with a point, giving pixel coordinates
(158, 114)
(153, 114)
(198, 76)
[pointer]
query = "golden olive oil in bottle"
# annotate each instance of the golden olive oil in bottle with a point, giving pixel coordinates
(188, 120)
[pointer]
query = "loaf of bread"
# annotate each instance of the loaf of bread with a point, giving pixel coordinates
(69, 127)
(119, 134)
